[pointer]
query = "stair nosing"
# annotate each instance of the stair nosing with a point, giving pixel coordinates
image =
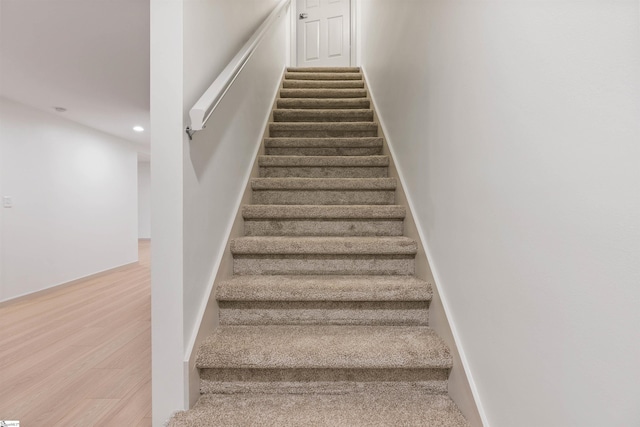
(316, 124)
(325, 99)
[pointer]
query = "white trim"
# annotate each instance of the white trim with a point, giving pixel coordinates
(436, 277)
(293, 35)
(216, 267)
(353, 33)
(287, 37)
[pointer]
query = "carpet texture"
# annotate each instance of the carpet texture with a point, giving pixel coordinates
(323, 322)
(402, 408)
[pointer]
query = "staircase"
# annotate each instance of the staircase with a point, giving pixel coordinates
(324, 322)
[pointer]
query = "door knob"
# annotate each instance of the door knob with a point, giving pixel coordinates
(303, 16)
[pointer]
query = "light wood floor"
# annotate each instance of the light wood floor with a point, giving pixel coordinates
(80, 355)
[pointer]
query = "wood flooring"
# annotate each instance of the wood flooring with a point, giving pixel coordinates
(80, 355)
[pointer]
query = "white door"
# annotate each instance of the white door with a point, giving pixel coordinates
(323, 33)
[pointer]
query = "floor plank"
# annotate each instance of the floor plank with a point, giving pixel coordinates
(81, 354)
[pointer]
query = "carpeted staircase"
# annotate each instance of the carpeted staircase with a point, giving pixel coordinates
(323, 323)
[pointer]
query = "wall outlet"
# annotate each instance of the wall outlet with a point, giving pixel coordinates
(7, 202)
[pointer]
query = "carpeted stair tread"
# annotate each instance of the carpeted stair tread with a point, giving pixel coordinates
(349, 126)
(271, 212)
(272, 166)
(351, 184)
(327, 220)
(324, 288)
(363, 142)
(279, 245)
(323, 161)
(322, 76)
(323, 347)
(323, 103)
(407, 408)
(323, 191)
(355, 146)
(323, 93)
(318, 84)
(323, 115)
(323, 129)
(323, 69)
(353, 196)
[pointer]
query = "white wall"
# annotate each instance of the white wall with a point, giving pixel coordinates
(195, 185)
(216, 31)
(218, 160)
(144, 200)
(74, 200)
(515, 125)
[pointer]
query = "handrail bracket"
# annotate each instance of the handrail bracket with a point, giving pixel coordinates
(190, 133)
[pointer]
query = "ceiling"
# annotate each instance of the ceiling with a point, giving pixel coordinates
(88, 56)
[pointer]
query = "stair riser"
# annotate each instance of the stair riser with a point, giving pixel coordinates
(337, 151)
(285, 227)
(335, 130)
(323, 197)
(322, 247)
(324, 288)
(368, 142)
(321, 381)
(323, 69)
(324, 313)
(323, 84)
(324, 172)
(384, 265)
(323, 76)
(319, 104)
(348, 127)
(323, 116)
(323, 93)
(337, 162)
(322, 133)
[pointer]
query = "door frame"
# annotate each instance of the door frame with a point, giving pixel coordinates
(293, 24)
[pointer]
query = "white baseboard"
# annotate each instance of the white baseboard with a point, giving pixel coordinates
(63, 285)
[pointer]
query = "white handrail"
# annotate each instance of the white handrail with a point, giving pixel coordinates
(208, 102)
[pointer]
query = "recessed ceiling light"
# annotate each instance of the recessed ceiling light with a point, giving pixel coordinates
(60, 109)
(138, 128)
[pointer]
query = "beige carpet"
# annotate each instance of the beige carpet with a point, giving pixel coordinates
(324, 322)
